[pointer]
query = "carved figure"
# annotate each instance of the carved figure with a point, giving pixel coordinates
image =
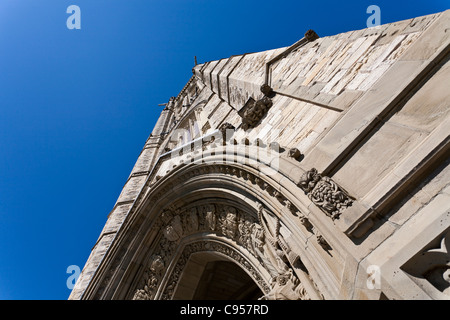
(229, 227)
(210, 217)
(286, 287)
(309, 180)
(191, 220)
(174, 230)
(151, 279)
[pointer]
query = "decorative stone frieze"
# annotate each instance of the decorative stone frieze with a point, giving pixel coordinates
(259, 235)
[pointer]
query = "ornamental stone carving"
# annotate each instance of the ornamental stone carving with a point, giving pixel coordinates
(216, 247)
(152, 277)
(254, 111)
(278, 258)
(260, 236)
(210, 216)
(191, 220)
(230, 223)
(174, 230)
(295, 153)
(286, 287)
(325, 193)
(311, 35)
(267, 90)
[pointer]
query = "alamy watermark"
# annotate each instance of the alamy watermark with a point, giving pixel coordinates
(74, 272)
(74, 20)
(374, 19)
(373, 277)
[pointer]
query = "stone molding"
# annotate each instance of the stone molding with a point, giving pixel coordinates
(259, 236)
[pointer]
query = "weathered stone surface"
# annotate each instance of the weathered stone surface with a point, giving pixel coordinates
(339, 190)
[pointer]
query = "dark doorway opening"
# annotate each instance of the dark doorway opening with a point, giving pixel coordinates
(224, 280)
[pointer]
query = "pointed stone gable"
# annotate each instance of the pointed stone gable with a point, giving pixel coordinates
(320, 169)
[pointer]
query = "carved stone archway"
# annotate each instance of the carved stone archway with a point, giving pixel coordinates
(329, 181)
(223, 208)
(230, 207)
(222, 230)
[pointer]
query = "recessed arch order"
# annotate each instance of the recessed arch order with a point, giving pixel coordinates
(238, 206)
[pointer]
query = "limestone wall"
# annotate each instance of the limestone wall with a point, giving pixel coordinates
(368, 112)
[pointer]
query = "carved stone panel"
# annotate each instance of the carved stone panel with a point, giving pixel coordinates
(152, 277)
(260, 236)
(325, 193)
(253, 111)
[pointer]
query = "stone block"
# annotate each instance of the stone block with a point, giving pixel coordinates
(345, 99)
(116, 217)
(144, 161)
(409, 207)
(430, 105)
(215, 82)
(363, 113)
(132, 188)
(384, 151)
(207, 79)
(435, 38)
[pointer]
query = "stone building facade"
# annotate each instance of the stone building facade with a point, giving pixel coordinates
(316, 171)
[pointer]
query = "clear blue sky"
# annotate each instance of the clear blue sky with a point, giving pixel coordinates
(76, 106)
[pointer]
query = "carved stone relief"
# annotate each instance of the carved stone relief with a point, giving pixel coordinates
(152, 277)
(325, 193)
(279, 259)
(260, 236)
(174, 229)
(209, 212)
(255, 180)
(308, 182)
(254, 111)
(286, 287)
